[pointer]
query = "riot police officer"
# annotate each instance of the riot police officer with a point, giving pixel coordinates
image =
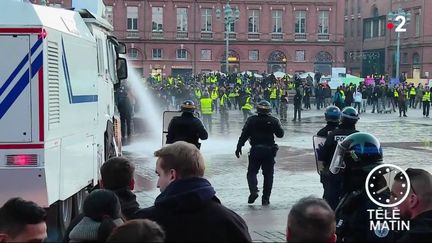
(260, 129)
(354, 158)
(331, 183)
(186, 127)
(332, 116)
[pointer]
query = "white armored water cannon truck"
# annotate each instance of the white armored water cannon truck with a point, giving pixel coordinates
(58, 71)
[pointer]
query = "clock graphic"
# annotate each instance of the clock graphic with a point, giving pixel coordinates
(379, 183)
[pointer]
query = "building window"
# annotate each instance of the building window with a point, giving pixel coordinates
(253, 21)
(300, 55)
(206, 55)
(277, 21)
(182, 54)
(230, 27)
(417, 24)
(109, 14)
(416, 59)
(300, 22)
(157, 53)
(375, 27)
(157, 19)
(352, 7)
(253, 55)
(55, 5)
(323, 22)
(132, 53)
(346, 7)
(132, 18)
(206, 20)
(182, 19)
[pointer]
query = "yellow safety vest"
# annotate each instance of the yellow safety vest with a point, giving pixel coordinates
(206, 106)
(412, 91)
(239, 81)
(223, 99)
(247, 105)
(290, 86)
(426, 96)
(198, 93)
(342, 94)
(213, 79)
(396, 93)
(248, 90)
(214, 94)
(273, 94)
(232, 95)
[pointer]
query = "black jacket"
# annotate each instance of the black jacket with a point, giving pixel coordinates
(353, 222)
(325, 154)
(189, 211)
(420, 229)
(325, 131)
(186, 128)
(260, 129)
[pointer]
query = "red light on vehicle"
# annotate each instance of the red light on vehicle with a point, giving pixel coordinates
(22, 160)
(43, 34)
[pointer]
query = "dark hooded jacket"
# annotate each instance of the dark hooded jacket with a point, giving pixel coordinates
(188, 210)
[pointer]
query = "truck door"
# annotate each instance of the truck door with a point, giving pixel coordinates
(15, 98)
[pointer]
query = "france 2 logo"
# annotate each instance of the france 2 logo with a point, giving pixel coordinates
(399, 28)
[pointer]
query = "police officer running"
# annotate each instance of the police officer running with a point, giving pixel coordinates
(332, 183)
(260, 129)
(353, 159)
(186, 127)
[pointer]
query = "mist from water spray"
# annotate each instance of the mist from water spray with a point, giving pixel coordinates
(148, 111)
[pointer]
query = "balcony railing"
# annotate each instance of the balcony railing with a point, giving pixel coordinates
(300, 37)
(277, 36)
(157, 35)
(231, 35)
(323, 37)
(182, 35)
(132, 34)
(207, 35)
(253, 36)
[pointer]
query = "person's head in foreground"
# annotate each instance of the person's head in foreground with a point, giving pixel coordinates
(138, 230)
(311, 220)
(22, 221)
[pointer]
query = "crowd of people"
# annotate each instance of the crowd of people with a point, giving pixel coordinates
(218, 93)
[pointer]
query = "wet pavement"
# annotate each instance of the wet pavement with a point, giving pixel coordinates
(406, 143)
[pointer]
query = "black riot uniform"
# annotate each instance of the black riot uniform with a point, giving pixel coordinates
(354, 158)
(186, 127)
(260, 129)
(332, 183)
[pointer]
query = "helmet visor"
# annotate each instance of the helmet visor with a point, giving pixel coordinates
(337, 162)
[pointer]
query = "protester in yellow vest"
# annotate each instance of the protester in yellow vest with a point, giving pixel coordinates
(206, 110)
(426, 102)
(247, 107)
(224, 103)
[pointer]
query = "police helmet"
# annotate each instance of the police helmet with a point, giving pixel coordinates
(263, 107)
(332, 114)
(349, 115)
(188, 106)
(359, 151)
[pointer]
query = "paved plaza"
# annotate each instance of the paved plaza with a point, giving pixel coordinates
(406, 143)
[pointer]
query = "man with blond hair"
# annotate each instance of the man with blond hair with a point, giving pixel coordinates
(187, 208)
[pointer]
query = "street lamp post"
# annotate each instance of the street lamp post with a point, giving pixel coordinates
(230, 16)
(393, 16)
